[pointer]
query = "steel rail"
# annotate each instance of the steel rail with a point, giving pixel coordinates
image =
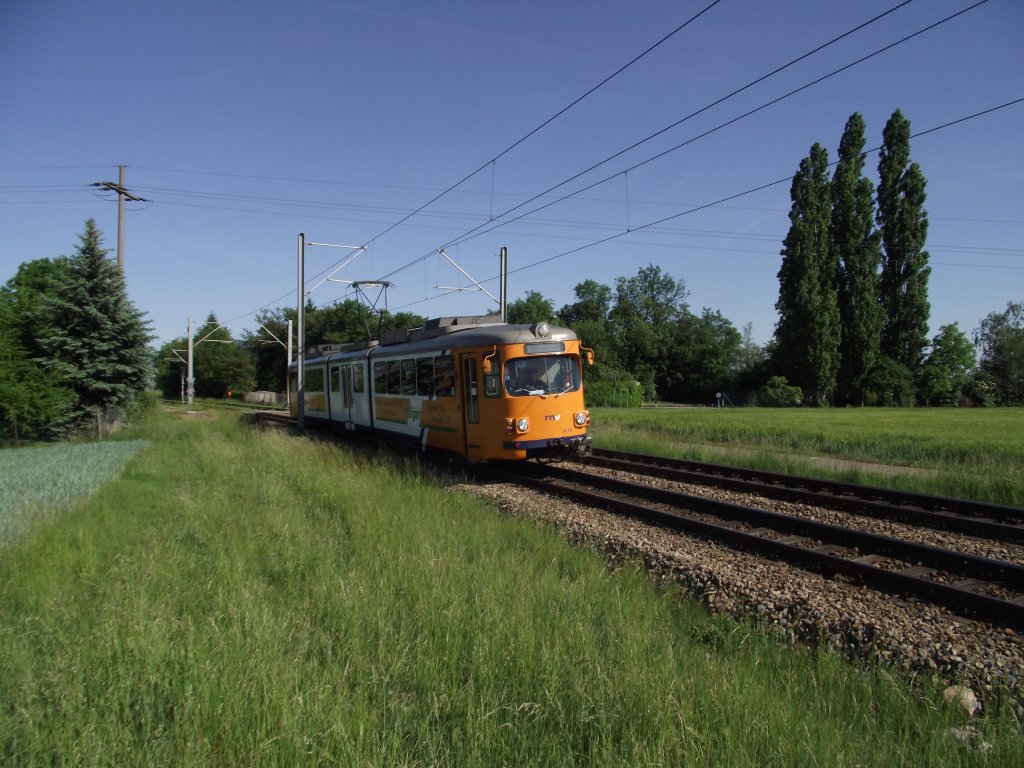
(987, 607)
(840, 492)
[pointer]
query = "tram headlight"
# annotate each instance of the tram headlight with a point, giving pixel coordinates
(582, 418)
(523, 425)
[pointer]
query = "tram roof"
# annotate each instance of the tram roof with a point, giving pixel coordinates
(447, 333)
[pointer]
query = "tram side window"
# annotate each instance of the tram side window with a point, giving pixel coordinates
(380, 379)
(408, 377)
(492, 386)
(394, 377)
(335, 379)
(444, 376)
(357, 377)
(313, 380)
(425, 376)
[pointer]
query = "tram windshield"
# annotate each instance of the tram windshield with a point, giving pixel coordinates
(541, 375)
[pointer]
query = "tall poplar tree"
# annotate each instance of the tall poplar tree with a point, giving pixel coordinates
(903, 224)
(857, 253)
(807, 333)
(97, 339)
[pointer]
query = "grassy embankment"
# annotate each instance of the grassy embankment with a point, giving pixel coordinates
(968, 453)
(243, 597)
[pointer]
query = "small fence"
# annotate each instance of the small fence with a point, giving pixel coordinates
(264, 398)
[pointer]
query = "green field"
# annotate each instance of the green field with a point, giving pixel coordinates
(40, 482)
(968, 453)
(246, 597)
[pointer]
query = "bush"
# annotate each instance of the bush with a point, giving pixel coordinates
(143, 403)
(616, 394)
(778, 393)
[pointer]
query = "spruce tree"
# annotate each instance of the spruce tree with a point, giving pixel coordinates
(857, 254)
(807, 333)
(97, 339)
(903, 224)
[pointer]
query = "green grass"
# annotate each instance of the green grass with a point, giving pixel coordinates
(969, 453)
(240, 597)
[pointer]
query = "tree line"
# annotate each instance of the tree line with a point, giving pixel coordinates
(222, 365)
(649, 344)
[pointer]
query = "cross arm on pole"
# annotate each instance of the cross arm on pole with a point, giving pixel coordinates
(464, 272)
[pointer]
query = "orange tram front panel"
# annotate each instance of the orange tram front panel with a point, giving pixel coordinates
(523, 400)
(485, 391)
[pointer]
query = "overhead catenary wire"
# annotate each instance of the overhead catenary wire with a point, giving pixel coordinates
(551, 119)
(484, 228)
(490, 226)
(693, 209)
(784, 180)
(465, 236)
(526, 136)
(735, 196)
(414, 212)
(475, 233)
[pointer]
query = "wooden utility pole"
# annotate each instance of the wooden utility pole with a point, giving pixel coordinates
(122, 195)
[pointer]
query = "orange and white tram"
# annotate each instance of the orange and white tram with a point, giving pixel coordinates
(472, 386)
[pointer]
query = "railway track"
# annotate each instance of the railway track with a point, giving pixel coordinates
(280, 418)
(983, 588)
(966, 516)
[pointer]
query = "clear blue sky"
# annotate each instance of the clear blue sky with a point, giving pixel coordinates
(247, 122)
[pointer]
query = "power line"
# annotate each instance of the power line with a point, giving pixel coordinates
(651, 225)
(550, 119)
(539, 127)
(381, 209)
(701, 207)
(52, 167)
(478, 231)
(735, 196)
(750, 191)
(669, 231)
(704, 206)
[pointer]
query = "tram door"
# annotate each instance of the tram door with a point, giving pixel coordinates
(341, 395)
(346, 396)
(471, 404)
